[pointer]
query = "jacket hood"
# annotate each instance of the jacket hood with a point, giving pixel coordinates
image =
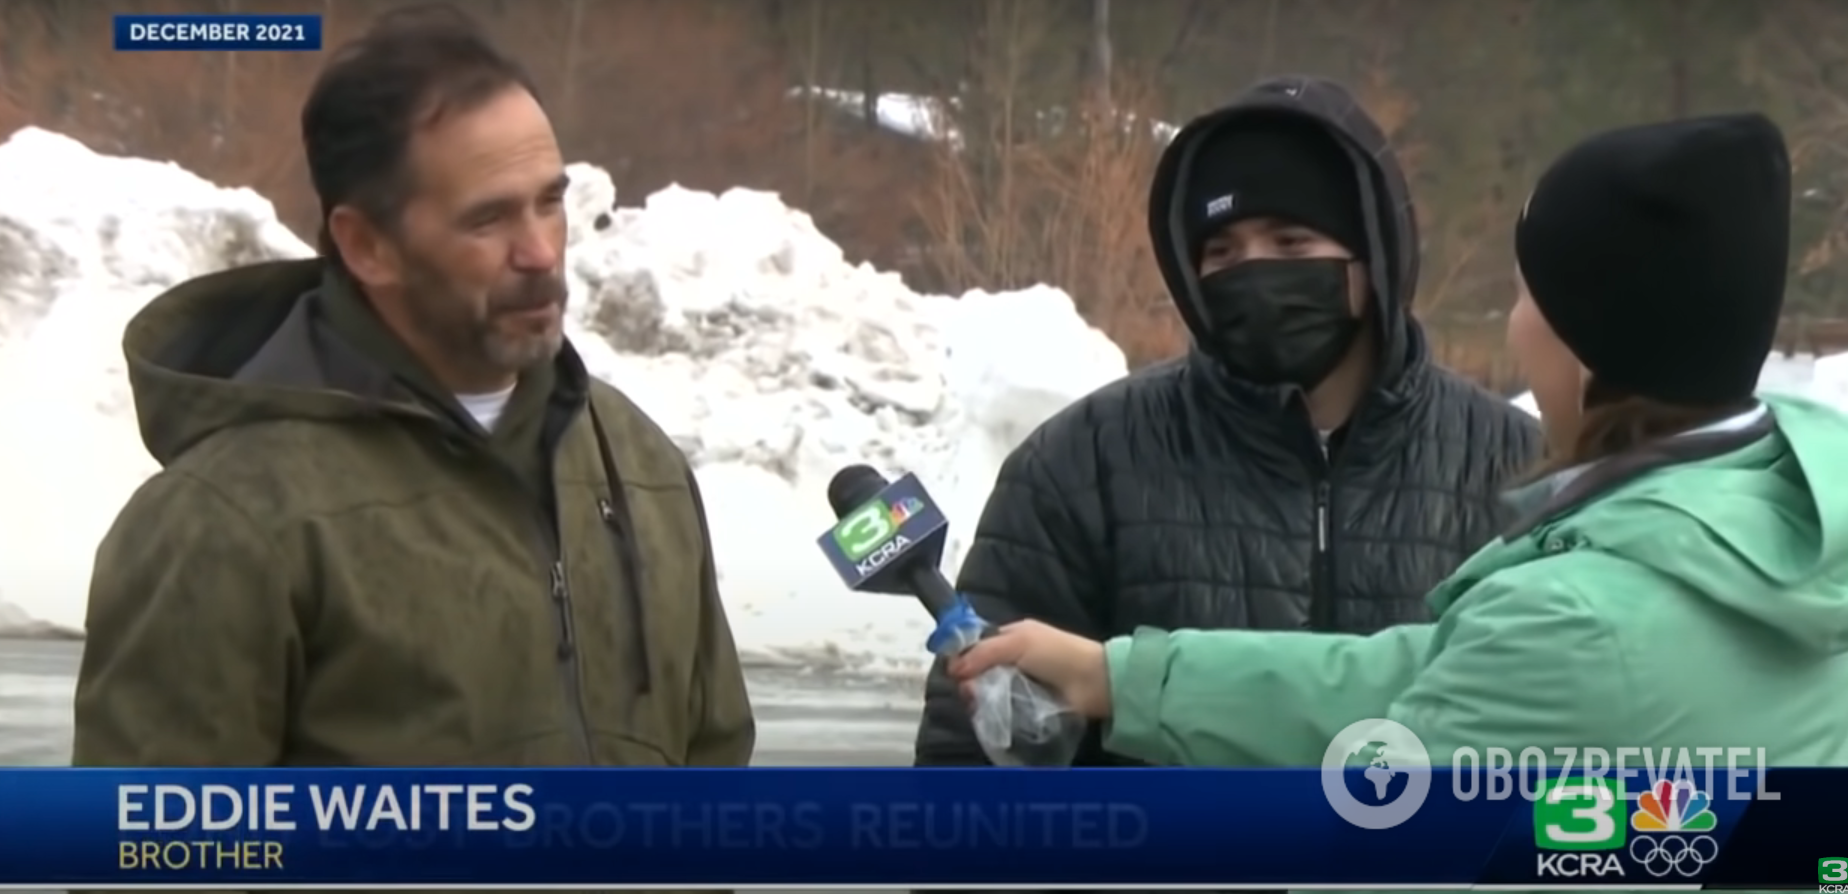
(1762, 530)
(1392, 225)
(188, 349)
(248, 345)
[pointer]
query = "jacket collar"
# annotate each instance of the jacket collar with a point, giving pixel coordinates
(1571, 488)
(1275, 420)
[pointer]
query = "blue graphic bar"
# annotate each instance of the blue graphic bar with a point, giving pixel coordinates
(194, 33)
(93, 828)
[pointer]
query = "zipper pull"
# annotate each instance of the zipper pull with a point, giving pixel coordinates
(1321, 517)
(606, 511)
(561, 597)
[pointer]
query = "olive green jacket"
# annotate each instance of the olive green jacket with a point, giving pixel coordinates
(333, 570)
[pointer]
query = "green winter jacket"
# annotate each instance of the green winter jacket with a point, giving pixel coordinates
(334, 568)
(1694, 594)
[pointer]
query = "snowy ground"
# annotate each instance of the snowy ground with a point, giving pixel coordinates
(730, 318)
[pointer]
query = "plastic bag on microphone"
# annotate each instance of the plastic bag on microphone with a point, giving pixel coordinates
(1017, 721)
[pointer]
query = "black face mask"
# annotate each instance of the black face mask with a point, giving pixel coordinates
(1277, 322)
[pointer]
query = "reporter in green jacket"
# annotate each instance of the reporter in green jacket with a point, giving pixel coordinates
(1680, 578)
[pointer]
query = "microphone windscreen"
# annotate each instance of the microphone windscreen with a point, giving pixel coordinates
(853, 486)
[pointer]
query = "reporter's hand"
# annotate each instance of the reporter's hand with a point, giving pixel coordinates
(1071, 666)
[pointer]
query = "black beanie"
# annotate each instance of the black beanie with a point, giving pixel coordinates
(1277, 165)
(1658, 255)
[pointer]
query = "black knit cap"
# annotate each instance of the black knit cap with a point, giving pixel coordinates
(1275, 165)
(1659, 253)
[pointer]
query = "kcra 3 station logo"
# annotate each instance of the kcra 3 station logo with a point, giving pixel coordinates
(1582, 831)
(866, 535)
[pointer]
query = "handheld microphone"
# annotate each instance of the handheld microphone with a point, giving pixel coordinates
(889, 538)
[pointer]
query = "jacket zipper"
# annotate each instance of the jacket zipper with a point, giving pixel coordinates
(558, 593)
(568, 656)
(1320, 602)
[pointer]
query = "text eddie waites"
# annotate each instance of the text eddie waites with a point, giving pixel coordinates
(272, 808)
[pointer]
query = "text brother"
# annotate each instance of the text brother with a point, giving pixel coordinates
(209, 856)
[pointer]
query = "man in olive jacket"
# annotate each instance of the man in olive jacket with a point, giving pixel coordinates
(397, 522)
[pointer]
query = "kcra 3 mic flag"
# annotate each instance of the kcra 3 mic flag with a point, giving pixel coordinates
(889, 538)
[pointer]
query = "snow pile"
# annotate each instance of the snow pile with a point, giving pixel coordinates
(85, 241)
(773, 362)
(729, 318)
(1830, 383)
(1823, 379)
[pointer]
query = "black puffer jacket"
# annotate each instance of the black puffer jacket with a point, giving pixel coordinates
(1178, 497)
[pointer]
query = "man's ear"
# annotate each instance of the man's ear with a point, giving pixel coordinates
(369, 254)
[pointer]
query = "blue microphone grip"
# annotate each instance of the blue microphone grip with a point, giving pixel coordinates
(1018, 721)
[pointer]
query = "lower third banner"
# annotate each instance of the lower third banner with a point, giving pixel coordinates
(83, 828)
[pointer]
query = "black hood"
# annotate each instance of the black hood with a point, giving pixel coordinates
(1392, 225)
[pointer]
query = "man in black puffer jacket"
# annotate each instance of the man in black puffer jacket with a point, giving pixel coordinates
(1306, 466)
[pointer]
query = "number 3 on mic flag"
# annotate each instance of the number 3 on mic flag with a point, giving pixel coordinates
(864, 530)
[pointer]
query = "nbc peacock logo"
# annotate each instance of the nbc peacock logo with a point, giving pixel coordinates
(902, 509)
(1673, 807)
(1673, 818)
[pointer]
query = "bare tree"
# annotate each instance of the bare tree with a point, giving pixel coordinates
(227, 101)
(1803, 39)
(1183, 39)
(1679, 87)
(811, 81)
(1048, 182)
(574, 27)
(1101, 51)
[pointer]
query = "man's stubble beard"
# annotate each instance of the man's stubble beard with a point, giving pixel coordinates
(449, 318)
